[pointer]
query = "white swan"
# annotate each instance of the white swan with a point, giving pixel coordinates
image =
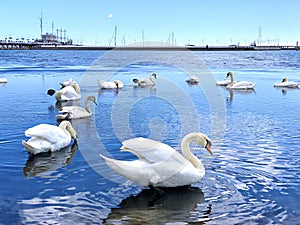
(76, 112)
(3, 80)
(69, 92)
(46, 137)
(116, 84)
(145, 82)
(286, 83)
(193, 80)
(160, 165)
(240, 84)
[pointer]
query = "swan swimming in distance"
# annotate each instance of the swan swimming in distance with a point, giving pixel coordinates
(286, 83)
(76, 112)
(160, 165)
(193, 80)
(238, 84)
(116, 84)
(3, 80)
(69, 92)
(46, 137)
(145, 82)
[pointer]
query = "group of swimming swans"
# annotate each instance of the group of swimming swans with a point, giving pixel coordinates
(246, 85)
(117, 84)
(158, 164)
(47, 137)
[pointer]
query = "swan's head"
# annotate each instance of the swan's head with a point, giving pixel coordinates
(117, 82)
(93, 99)
(200, 138)
(51, 92)
(229, 74)
(153, 75)
(135, 80)
(204, 141)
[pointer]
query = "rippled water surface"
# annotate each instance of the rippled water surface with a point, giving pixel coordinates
(253, 177)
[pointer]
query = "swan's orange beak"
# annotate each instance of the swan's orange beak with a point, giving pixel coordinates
(207, 147)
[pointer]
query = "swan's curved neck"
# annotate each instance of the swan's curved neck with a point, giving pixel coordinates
(86, 105)
(151, 78)
(231, 78)
(64, 126)
(76, 87)
(68, 129)
(185, 148)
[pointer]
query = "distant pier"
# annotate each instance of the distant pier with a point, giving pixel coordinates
(4, 45)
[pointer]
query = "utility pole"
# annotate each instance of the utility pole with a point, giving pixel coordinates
(41, 24)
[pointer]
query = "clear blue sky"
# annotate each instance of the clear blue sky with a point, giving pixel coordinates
(197, 22)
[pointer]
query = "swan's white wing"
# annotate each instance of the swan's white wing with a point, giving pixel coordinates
(107, 84)
(176, 171)
(47, 132)
(145, 81)
(110, 85)
(290, 84)
(75, 112)
(243, 85)
(72, 109)
(150, 150)
(132, 170)
(68, 92)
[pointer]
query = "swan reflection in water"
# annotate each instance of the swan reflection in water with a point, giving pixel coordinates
(242, 92)
(284, 90)
(45, 163)
(160, 206)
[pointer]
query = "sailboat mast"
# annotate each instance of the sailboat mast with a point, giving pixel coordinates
(115, 38)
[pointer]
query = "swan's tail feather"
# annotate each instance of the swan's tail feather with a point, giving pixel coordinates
(136, 173)
(64, 116)
(26, 145)
(29, 148)
(101, 83)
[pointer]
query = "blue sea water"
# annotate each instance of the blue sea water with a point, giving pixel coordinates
(253, 177)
